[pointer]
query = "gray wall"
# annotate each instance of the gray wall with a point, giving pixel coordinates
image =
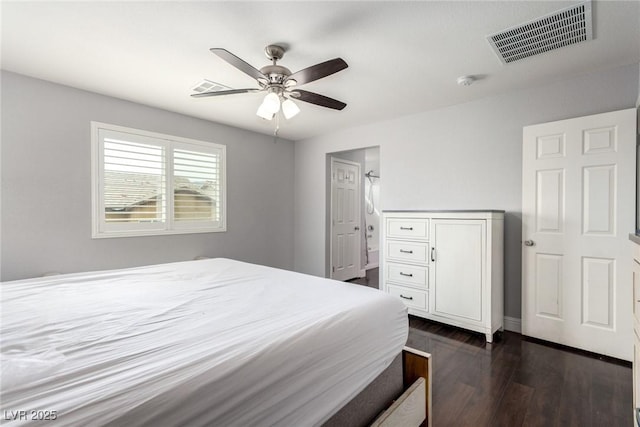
(46, 186)
(466, 156)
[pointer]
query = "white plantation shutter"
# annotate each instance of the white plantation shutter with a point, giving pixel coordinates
(196, 183)
(146, 183)
(133, 182)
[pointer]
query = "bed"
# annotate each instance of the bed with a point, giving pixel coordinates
(198, 343)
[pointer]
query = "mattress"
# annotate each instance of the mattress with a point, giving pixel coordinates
(208, 342)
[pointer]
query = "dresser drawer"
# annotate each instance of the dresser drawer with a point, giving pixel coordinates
(411, 297)
(408, 251)
(407, 228)
(413, 275)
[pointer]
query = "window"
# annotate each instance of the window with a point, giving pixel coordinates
(147, 183)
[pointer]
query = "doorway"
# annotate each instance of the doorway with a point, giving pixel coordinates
(360, 239)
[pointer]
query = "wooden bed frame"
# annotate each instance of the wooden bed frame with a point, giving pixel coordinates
(413, 407)
(400, 396)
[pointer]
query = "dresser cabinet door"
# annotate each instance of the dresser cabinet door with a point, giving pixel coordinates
(457, 267)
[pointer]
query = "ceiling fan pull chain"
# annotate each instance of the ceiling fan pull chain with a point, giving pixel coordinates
(277, 128)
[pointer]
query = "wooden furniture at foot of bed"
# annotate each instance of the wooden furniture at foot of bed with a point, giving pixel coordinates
(413, 407)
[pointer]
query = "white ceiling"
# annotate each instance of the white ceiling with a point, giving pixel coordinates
(404, 56)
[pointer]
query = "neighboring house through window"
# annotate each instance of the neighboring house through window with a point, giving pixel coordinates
(147, 183)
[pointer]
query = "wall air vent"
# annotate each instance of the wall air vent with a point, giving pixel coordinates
(562, 28)
(209, 86)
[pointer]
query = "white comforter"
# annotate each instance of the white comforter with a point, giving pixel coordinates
(212, 342)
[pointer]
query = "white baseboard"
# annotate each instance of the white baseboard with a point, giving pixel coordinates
(513, 324)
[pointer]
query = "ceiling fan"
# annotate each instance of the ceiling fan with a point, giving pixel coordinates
(280, 84)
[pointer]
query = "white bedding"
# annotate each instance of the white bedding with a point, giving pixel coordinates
(211, 342)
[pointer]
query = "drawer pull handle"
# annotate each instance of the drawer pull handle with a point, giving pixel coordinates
(406, 228)
(402, 296)
(406, 252)
(406, 274)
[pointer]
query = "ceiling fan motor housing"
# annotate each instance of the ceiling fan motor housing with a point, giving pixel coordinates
(276, 73)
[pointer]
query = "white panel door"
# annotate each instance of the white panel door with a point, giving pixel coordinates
(457, 264)
(345, 219)
(578, 202)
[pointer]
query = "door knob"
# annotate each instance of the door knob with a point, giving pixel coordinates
(529, 243)
(356, 228)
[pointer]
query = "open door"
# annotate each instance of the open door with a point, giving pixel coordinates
(345, 219)
(578, 191)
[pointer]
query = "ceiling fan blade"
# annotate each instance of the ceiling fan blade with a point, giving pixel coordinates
(224, 92)
(315, 98)
(318, 71)
(238, 63)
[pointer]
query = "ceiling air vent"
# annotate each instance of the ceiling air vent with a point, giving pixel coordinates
(209, 86)
(562, 28)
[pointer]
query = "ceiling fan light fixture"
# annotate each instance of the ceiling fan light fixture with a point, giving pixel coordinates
(271, 103)
(264, 113)
(289, 109)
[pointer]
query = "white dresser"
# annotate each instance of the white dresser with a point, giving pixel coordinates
(446, 266)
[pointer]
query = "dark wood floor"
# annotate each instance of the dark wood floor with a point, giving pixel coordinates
(517, 382)
(370, 280)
